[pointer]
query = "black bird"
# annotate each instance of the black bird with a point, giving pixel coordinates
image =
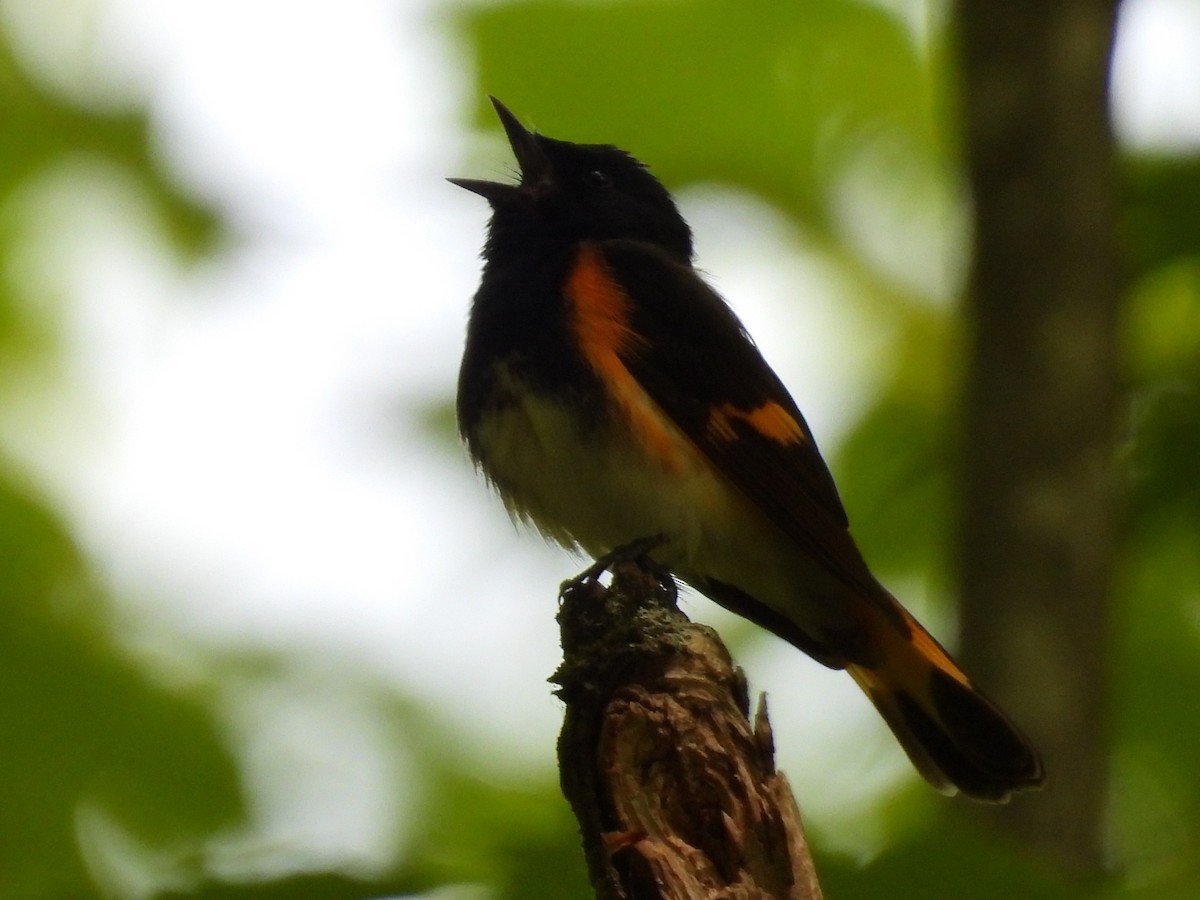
(609, 394)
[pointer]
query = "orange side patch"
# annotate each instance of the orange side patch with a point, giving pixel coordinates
(770, 420)
(601, 311)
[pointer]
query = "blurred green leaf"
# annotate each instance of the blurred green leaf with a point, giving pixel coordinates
(306, 886)
(895, 466)
(1162, 329)
(950, 860)
(80, 723)
(40, 129)
(1157, 783)
(474, 828)
(762, 94)
(1161, 217)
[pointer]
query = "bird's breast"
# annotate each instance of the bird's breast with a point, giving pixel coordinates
(596, 476)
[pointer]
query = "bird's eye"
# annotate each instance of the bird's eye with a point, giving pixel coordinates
(598, 178)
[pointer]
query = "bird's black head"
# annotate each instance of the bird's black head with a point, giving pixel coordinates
(575, 192)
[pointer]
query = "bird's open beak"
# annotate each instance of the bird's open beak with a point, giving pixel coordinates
(530, 156)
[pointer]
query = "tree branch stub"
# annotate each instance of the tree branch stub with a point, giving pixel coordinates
(675, 789)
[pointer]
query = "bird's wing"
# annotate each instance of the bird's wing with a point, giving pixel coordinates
(683, 346)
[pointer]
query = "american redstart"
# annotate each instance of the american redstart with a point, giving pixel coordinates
(610, 395)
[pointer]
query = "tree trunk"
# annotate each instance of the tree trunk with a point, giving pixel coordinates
(1040, 490)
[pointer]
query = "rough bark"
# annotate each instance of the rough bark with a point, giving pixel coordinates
(676, 792)
(1039, 488)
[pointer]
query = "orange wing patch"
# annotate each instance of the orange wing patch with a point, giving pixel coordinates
(770, 420)
(601, 309)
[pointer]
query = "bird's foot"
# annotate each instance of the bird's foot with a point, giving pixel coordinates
(638, 552)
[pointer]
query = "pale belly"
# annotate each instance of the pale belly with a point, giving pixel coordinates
(595, 490)
(591, 488)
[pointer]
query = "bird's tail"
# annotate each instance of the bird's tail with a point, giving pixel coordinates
(957, 738)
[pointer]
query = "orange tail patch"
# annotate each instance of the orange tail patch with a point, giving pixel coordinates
(958, 739)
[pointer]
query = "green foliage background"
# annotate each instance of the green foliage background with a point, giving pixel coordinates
(773, 97)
